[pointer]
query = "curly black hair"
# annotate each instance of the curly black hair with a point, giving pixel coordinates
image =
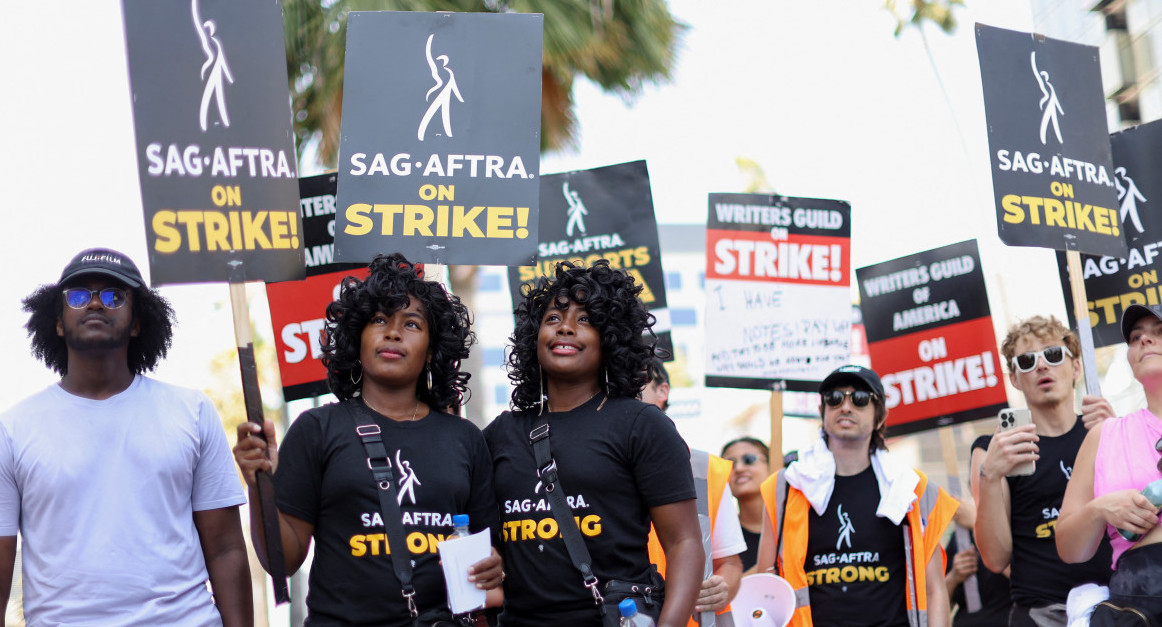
(391, 281)
(610, 296)
(150, 309)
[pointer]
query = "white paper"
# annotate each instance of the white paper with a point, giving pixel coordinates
(456, 555)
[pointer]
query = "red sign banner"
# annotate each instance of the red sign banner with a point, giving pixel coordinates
(297, 313)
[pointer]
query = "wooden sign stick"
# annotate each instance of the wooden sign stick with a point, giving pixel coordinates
(776, 443)
(275, 560)
(951, 468)
(1084, 330)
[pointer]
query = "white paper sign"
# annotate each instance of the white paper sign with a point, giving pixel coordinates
(456, 555)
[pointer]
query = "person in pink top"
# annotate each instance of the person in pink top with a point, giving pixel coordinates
(1119, 458)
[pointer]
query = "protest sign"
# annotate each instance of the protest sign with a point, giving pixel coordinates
(1112, 284)
(317, 208)
(1048, 143)
(215, 147)
(297, 308)
(297, 314)
(440, 145)
(778, 303)
(930, 336)
(603, 213)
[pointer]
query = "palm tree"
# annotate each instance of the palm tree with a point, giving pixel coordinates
(620, 46)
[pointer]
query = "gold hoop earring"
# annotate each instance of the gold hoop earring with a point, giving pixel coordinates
(429, 377)
(351, 375)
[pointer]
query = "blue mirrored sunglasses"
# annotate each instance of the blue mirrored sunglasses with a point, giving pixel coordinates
(80, 297)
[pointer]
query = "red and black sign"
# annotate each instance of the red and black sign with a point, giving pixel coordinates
(778, 290)
(930, 337)
(1113, 284)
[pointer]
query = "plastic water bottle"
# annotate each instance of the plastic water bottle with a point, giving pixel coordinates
(460, 522)
(630, 617)
(1153, 492)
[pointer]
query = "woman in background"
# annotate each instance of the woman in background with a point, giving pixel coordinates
(751, 460)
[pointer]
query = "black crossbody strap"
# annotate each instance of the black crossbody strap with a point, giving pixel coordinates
(380, 464)
(574, 543)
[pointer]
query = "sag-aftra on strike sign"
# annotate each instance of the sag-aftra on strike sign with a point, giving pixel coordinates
(1052, 173)
(440, 151)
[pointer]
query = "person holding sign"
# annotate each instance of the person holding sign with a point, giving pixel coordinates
(1114, 493)
(1017, 515)
(394, 343)
(578, 361)
(853, 530)
(121, 486)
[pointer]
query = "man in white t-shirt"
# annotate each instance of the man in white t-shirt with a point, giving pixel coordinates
(726, 539)
(122, 488)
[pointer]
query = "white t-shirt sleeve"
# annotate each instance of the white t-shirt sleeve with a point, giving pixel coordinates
(727, 539)
(9, 492)
(216, 482)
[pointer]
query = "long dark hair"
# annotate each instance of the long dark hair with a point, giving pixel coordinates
(392, 280)
(151, 311)
(610, 297)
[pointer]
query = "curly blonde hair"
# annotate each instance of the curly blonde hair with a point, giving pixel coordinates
(1048, 329)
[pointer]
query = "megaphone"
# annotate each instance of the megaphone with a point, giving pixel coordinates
(763, 600)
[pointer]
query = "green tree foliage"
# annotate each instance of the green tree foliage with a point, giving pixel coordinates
(916, 12)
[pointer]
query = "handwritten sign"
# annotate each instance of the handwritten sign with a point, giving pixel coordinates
(778, 304)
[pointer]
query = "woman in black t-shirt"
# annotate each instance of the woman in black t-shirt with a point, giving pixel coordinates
(393, 347)
(578, 360)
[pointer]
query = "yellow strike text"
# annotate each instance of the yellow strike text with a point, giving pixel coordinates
(195, 230)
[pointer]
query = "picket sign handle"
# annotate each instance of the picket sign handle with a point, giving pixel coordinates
(952, 469)
(252, 397)
(776, 443)
(1084, 330)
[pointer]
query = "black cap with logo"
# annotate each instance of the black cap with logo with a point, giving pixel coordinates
(103, 261)
(855, 376)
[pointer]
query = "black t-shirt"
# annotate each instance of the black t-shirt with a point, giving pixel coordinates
(614, 464)
(1038, 576)
(751, 555)
(323, 479)
(855, 559)
(995, 601)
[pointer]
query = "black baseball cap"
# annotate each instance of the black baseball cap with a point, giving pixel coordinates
(854, 376)
(103, 261)
(1133, 313)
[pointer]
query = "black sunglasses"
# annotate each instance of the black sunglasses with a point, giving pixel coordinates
(859, 398)
(1054, 356)
(748, 459)
(80, 297)
(1158, 447)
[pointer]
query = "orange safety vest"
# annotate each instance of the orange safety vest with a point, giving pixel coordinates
(923, 527)
(717, 476)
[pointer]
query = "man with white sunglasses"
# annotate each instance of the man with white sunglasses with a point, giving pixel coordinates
(122, 488)
(1016, 516)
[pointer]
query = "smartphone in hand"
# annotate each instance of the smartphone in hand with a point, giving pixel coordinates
(1010, 418)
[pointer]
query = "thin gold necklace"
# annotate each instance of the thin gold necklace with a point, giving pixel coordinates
(376, 410)
(549, 402)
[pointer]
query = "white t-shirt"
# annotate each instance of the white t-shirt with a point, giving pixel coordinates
(103, 494)
(726, 539)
